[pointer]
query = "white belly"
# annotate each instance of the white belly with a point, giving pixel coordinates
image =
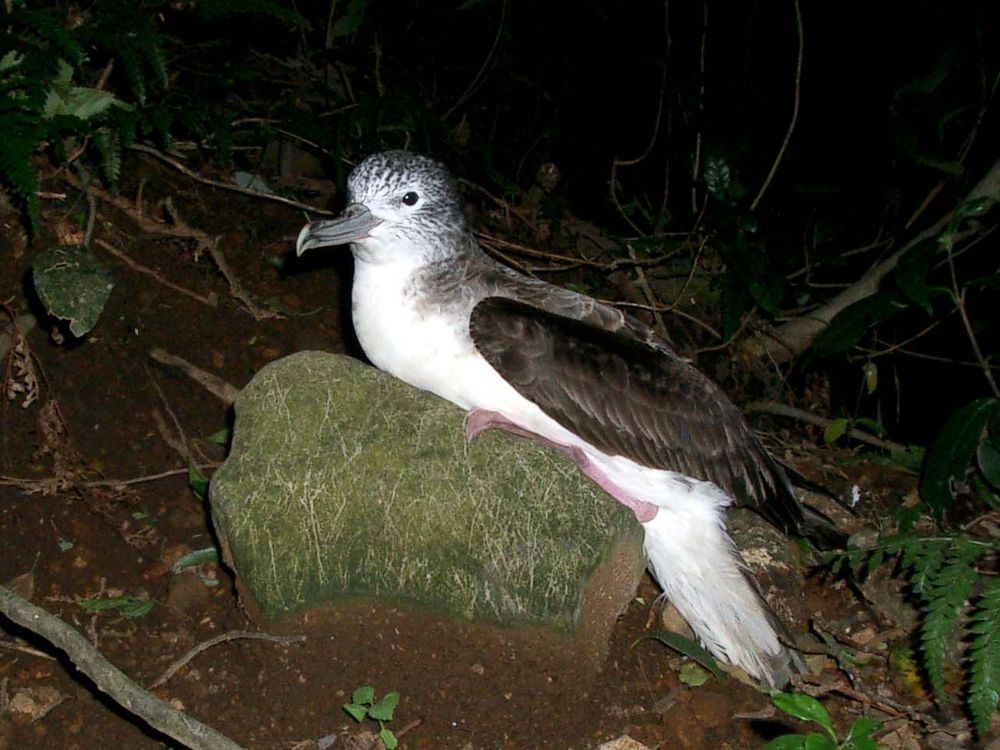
(436, 354)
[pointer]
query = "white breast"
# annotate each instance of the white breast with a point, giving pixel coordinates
(435, 353)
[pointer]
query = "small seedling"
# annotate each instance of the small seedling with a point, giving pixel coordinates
(807, 708)
(363, 706)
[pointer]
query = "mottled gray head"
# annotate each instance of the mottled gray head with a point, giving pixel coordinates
(396, 200)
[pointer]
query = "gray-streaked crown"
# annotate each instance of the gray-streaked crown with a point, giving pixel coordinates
(436, 222)
(395, 173)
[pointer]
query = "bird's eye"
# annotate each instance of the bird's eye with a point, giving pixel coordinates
(411, 198)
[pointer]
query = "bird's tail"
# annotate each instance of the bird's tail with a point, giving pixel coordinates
(701, 573)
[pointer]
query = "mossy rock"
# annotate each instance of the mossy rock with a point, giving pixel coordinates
(344, 483)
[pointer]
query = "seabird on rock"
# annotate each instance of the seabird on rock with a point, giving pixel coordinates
(431, 308)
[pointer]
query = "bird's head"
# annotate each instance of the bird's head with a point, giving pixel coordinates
(398, 203)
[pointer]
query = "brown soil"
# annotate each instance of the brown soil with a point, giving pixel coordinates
(462, 685)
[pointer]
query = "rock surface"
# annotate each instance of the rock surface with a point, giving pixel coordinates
(344, 484)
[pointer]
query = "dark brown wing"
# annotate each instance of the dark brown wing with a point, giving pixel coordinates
(630, 399)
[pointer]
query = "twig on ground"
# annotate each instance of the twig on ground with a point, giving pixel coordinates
(815, 687)
(23, 648)
(212, 383)
(187, 172)
(160, 715)
(211, 299)
(46, 483)
(235, 288)
(792, 412)
(178, 228)
(231, 635)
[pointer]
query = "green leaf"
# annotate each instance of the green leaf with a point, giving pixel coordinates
(803, 707)
(193, 559)
(693, 674)
(911, 275)
(835, 430)
(951, 454)
(221, 437)
(686, 647)
(382, 711)
(988, 458)
(851, 323)
(786, 742)
(357, 712)
(72, 285)
(718, 177)
(364, 694)
(198, 483)
(768, 292)
(870, 373)
(388, 739)
(994, 426)
(863, 727)
(349, 23)
(874, 427)
(817, 741)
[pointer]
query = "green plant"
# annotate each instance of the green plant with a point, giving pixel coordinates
(944, 576)
(807, 708)
(39, 103)
(128, 606)
(363, 705)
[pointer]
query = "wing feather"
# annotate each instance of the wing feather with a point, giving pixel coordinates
(632, 398)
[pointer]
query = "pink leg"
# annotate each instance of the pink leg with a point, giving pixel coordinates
(480, 420)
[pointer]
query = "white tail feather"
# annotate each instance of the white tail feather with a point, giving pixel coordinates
(701, 573)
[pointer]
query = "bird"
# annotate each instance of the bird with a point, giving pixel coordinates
(431, 308)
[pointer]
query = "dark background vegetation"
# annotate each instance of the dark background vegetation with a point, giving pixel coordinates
(893, 127)
(664, 121)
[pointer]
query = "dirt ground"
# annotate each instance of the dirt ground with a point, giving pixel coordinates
(107, 410)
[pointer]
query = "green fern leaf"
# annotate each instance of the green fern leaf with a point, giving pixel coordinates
(16, 148)
(983, 693)
(945, 593)
(925, 557)
(109, 146)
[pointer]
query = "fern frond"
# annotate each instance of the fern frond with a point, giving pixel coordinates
(983, 693)
(924, 557)
(945, 595)
(109, 146)
(16, 148)
(43, 29)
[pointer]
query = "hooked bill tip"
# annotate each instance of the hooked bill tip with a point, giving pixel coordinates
(302, 241)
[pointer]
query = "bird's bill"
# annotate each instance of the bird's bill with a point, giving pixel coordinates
(354, 224)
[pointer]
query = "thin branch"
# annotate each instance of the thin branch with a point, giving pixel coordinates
(959, 297)
(232, 635)
(211, 299)
(110, 680)
(215, 385)
(696, 168)
(792, 412)
(480, 74)
(190, 173)
(791, 339)
(795, 110)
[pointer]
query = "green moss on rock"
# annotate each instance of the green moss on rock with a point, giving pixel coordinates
(344, 482)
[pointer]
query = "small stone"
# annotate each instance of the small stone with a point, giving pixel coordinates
(622, 743)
